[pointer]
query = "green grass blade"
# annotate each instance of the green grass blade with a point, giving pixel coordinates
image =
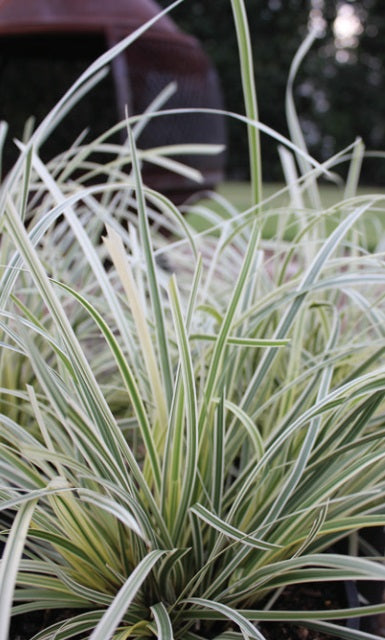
(111, 506)
(309, 279)
(338, 631)
(250, 427)
(116, 249)
(303, 455)
(71, 628)
(224, 332)
(169, 208)
(10, 562)
(3, 135)
(173, 469)
(89, 249)
(191, 460)
(250, 96)
(248, 630)
(293, 121)
(241, 342)
(218, 468)
(366, 384)
(352, 180)
(129, 380)
(304, 616)
(321, 168)
(88, 386)
(36, 233)
(112, 617)
(155, 294)
(163, 622)
(229, 531)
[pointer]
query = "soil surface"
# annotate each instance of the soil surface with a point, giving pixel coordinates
(24, 627)
(305, 597)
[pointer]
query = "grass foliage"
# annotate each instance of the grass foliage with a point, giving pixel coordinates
(187, 423)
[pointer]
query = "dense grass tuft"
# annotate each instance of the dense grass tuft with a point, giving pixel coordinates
(187, 423)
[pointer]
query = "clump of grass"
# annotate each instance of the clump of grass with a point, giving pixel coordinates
(186, 424)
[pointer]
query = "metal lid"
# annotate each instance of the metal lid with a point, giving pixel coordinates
(37, 16)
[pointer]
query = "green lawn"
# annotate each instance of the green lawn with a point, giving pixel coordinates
(239, 193)
(278, 205)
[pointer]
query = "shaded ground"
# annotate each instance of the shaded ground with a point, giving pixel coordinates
(304, 597)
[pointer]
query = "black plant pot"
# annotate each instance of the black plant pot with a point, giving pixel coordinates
(372, 542)
(352, 601)
(373, 592)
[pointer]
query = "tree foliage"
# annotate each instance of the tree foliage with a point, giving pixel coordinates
(338, 97)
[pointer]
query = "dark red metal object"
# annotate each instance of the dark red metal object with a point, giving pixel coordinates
(60, 37)
(36, 16)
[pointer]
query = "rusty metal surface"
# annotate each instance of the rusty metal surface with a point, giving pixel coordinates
(29, 16)
(61, 32)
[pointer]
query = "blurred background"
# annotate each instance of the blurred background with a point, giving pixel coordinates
(340, 89)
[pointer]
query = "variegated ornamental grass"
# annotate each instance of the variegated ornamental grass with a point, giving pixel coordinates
(186, 424)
